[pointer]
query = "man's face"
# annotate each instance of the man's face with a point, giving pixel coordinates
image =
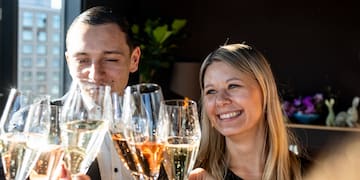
(99, 53)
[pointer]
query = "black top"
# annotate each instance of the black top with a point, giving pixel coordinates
(231, 176)
(305, 163)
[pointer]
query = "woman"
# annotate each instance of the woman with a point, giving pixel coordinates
(243, 130)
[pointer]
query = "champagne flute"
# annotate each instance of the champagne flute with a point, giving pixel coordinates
(117, 130)
(84, 123)
(49, 162)
(143, 132)
(25, 124)
(183, 137)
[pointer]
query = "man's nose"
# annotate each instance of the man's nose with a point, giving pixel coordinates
(96, 72)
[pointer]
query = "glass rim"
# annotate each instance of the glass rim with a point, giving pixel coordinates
(150, 87)
(177, 102)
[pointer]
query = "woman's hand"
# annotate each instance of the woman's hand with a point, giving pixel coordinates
(65, 175)
(200, 174)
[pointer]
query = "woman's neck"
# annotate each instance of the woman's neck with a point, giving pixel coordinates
(247, 153)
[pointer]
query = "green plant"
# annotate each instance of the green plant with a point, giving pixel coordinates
(157, 39)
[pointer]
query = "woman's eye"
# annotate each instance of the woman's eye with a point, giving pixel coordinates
(231, 86)
(211, 91)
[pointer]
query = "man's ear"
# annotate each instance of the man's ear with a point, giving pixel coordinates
(135, 59)
(67, 57)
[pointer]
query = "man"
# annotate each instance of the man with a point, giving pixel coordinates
(99, 48)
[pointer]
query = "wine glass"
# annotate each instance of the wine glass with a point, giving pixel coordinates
(183, 137)
(142, 123)
(117, 130)
(25, 124)
(84, 122)
(49, 162)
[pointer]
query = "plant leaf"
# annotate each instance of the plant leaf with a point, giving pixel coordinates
(161, 33)
(178, 24)
(135, 29)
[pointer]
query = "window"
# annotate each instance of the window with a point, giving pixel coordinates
(26, 76)
(41, 20)
(26, 62)
(40, 43)
(27, 49)
(56, 22)
(56, 37)
(41, 76)
(41, 62)
(27, 18)
(27, 35)
(56, 51)
(41, 36)
(55, 76)
(41, 49)
(55, 62)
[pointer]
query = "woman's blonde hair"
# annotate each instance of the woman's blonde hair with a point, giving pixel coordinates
(280, 164)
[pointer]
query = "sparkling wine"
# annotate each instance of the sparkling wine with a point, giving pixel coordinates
(150, 156)
(124, 152)
(179, 157)
(48, 162)
(82, 140)
(19, 154)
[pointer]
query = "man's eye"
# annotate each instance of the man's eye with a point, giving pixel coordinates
(83, 61)
(111, 60)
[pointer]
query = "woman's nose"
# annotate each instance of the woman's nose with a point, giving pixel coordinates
(223, 98)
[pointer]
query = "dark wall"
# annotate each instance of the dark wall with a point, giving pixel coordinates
(311, 44)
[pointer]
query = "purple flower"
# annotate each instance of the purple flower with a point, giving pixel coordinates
(306, 105)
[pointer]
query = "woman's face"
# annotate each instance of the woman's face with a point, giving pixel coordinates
(232, 99)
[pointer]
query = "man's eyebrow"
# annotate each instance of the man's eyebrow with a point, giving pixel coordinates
(114, 52)
(105, 52)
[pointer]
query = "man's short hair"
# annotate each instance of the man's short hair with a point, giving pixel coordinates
(100, 15)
